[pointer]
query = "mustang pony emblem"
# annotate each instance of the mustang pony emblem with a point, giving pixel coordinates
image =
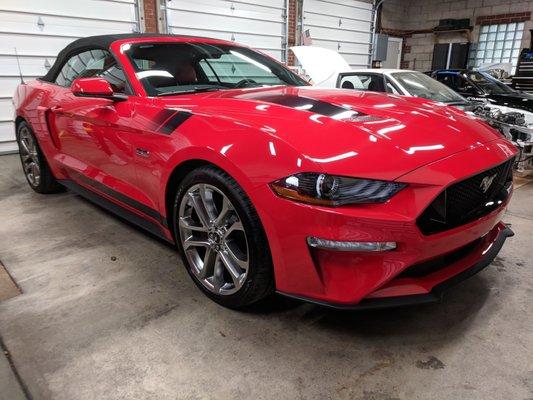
(487, 182)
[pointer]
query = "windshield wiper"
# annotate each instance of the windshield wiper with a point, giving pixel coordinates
(194, 90)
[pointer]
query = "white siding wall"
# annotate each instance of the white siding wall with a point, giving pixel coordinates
(39, 29)
(260, 24)
(340, 25)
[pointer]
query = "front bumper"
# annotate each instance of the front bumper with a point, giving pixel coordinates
(346, 279)
(485, 251)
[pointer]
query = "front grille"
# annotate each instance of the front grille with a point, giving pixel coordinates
(468, 200)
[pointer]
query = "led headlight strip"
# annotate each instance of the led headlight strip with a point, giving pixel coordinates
(330, 190)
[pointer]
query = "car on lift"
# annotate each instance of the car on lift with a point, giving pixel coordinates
(263, 183)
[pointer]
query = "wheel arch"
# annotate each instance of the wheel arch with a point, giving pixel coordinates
(18, 120)
(176, 176)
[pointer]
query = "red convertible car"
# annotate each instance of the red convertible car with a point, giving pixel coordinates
(344, 198)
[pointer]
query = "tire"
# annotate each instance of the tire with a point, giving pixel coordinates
(33, 160)
(234, 287)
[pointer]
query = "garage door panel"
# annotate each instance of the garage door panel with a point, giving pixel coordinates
(60, 26)
(356, 56)
(343, 47)
(332, 22)
(8, 84)
(6, 109)
(341, 36)
(263, 3)
(32, 45)
(349, 9)
(7, 131)
(30, 66)
(96, 9)
(340, 25)
(220, 8)
(258, 24)
(227, 23)
(264, 43)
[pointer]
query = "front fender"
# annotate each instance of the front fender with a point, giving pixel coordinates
(251, 156)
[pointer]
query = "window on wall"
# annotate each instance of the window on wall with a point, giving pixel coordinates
(498, 43)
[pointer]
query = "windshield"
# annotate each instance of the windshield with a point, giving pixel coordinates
(175, 68)
(489, 84)
(421, 85)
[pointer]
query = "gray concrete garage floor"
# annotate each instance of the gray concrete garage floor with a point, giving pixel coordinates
(108, 312)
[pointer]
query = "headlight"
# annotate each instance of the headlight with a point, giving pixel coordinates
(329, 190)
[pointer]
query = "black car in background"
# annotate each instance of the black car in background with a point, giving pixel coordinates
(483, 88)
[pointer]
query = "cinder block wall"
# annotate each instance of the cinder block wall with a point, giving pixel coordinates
(414, 19)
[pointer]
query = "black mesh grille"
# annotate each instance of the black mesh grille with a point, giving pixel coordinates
(467, 200)
(438, 263)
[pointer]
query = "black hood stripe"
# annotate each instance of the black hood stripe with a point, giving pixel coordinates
(175, 120)
(306, 104)
(162, 116)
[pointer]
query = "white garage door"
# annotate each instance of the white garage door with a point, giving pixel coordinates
(260, 24)
(340, 25)
(39, 29)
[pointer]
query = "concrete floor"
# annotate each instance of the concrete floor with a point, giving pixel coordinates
(108, 312)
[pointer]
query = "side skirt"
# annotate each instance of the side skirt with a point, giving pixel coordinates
(152, 227)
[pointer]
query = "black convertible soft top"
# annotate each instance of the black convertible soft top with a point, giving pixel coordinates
(93, 42)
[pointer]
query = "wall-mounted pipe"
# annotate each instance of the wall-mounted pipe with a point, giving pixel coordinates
(375, 11)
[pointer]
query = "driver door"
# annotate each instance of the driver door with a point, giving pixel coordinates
(94, 134)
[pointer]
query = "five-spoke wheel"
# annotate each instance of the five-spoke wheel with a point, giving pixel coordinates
(213, 238)
(221, 239)
(29, 156)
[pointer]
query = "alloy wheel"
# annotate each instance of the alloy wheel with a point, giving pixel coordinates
(213, 239)
(29, 156)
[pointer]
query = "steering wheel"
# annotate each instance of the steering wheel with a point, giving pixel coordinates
(244, 82)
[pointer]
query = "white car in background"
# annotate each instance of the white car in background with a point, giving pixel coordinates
(327, 68)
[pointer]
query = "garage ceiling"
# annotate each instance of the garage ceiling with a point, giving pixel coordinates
(340, 25)
(39, 30)
(257, 23)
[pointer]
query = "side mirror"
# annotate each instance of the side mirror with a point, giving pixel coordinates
(97, 88)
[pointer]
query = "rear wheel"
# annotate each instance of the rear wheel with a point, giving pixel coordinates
(34, 164)
(221, 239)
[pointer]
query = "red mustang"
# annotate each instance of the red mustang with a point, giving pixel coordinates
(350, 199)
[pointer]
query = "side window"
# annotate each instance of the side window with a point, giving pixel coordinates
(371, 82)
(464, 86)
(391, 87)
(448, 80)
(89, 64)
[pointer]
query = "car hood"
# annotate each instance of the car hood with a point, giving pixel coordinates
(323, 74)
(347, 132)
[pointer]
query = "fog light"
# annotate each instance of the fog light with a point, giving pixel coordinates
(349, 246)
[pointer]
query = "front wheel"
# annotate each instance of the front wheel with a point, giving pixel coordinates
(221, 239)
